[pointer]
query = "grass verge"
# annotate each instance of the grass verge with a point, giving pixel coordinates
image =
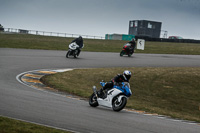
(168, 91)
(28, 41)
(8, 125)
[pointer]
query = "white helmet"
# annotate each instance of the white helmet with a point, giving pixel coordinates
(127, 74)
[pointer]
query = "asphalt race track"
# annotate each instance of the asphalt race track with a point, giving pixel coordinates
(25, 103)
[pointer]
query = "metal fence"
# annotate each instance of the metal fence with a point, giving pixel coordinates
(146, 38)
(45, 33)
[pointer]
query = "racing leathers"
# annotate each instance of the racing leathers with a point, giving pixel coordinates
(115, 81)
(132, 46)
(79, 42)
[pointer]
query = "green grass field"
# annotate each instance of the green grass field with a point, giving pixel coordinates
(168, 91)
(95, 45)
(8, 125)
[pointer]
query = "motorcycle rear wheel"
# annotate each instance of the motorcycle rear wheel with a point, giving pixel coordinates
(130, 54)
(75, 53)
(118, 106)
(93, 101)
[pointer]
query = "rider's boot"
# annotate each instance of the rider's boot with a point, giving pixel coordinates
(100, 93)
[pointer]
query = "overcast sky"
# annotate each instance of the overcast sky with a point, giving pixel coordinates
(100, 17)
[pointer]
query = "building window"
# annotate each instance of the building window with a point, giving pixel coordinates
(149, 25)
(131, 24)
(136, 23)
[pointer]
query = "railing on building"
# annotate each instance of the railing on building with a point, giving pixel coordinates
(45, 33)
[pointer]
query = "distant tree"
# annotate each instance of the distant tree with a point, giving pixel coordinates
(1, 28)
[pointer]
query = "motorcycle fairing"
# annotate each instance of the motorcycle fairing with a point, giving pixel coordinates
(110, 95)
(125, 89)
(73, 46)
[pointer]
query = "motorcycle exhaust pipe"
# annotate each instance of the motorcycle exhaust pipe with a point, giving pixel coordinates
(94, 89)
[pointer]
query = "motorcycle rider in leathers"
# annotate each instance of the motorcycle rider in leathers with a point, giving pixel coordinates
(79, 42)
(125, 77)
(132, 47)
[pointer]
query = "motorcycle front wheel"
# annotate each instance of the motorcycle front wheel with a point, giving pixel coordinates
(119, 105)
(93, 101)
(122, 53)
(67, 55)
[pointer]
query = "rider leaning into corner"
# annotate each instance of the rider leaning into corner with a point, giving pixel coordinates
(79, 42)
(125, 77)
(133, 45)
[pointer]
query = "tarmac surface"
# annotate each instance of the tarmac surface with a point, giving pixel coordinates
(25, 103)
